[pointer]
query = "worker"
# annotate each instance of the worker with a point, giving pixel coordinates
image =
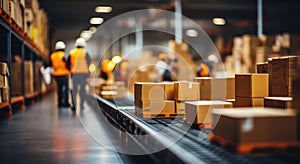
(60, 74)
(163, 68)
(104, 69)
(78, 63)
(203, 70)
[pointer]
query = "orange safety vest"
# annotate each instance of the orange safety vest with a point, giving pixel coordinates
(78, 61)
(205, 70)
(58, 64)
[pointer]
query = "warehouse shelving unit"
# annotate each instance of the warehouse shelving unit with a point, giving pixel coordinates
(16, 44)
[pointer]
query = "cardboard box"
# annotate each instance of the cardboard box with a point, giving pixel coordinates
(255, 125)
(282, 71)
(216, 88)
(5, 94)
(169, 91)
(296, 94)
(2, 81)
(198, 112)
(186, 91)
(148, 91)
(155, 107)
(16, 77)
(180, 107)
(262, 67)
(251, 85)
(3, 68)
(278, 102)
(249, 102)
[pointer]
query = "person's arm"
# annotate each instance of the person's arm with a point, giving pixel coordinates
(88, 59)
(68, 63)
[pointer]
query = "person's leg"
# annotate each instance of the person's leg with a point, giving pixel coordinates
(66, 91)
(59, 91)
(74, 88)
(82, 89)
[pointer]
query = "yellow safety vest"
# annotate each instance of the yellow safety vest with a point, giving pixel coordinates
(78, 61)
(58, 64)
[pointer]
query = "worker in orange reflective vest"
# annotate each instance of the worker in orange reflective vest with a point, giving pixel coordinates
(61, 74)
(78, 63)
(203, 70)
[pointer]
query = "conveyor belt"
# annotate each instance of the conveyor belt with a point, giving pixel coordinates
(200, 150)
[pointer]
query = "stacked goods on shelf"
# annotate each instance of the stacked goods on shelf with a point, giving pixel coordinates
(16, 11)
(36, 24)
(37, 76)
(212, 88)
(243, 55)
(4, 86)
(246, 130)
(184, 92)
(281, 71)
(199, 112)
(180, 51)
(278, 102)
(5, 5)
(114, 90)
(250, 89)
(15, 76)
(149, 100)
(262, 67)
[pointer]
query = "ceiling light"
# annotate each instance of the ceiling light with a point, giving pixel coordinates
(103, 9)
(219, 21)
(96, 20)
(93, 30)
(191, 33)
(86, 34)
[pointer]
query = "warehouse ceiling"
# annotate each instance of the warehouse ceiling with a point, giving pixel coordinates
(69, 17)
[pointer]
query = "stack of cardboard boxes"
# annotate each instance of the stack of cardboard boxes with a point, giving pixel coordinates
(250, 89)
(164, 99)
(281, 71)
(4, 86)
(149, 100)
(183, 92)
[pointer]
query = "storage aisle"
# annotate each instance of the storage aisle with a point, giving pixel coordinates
(44, 134)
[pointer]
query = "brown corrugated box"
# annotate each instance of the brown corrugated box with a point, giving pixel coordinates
(251, 85)
(249, 102)
(262, 67)
(180, 107)
(199, 111)
(2, 81)
(155, 107)
(278, 102)
(5, 94)
(186, 91)
(149, 91)
(169, 91)
(216, 88)
(255, 125)
(3, 68)
(282, 71)
(16, 77)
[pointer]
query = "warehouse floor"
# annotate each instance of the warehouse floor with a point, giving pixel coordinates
(44, 134)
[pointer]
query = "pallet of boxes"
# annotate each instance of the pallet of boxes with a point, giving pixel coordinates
(163, 100)
(4, 86)
(252, 126)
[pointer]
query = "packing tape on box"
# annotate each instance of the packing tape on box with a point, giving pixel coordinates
(190, 85)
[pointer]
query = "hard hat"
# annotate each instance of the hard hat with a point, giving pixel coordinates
(162, 56)
(60, 45)
(80, 42)
(213, 58)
